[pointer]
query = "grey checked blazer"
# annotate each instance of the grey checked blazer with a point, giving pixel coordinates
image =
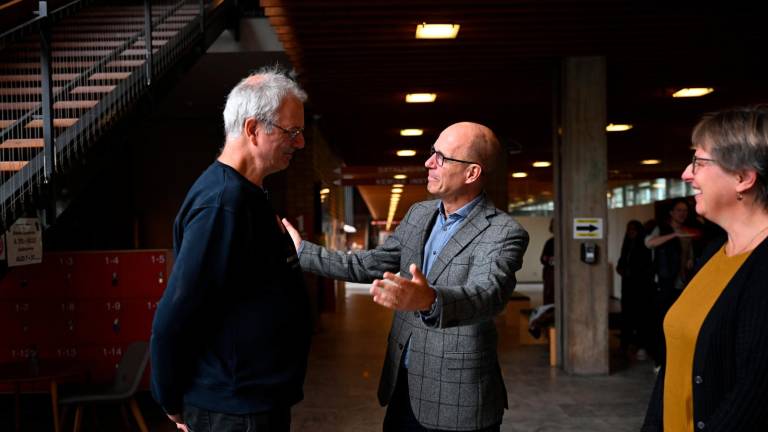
(454, 378)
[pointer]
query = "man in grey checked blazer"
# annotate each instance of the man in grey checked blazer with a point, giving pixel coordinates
(441, 371)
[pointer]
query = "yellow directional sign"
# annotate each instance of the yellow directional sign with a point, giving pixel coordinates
(587, 228)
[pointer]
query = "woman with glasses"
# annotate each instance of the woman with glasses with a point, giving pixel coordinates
(716, 372)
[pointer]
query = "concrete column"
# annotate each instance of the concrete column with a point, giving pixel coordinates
(580, 186)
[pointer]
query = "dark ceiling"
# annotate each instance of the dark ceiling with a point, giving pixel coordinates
(358, 59)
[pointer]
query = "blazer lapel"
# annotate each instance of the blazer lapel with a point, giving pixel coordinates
(424, 234)
(475, 223)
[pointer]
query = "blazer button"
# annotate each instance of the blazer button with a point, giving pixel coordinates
(400, 346)
(700, 425)
(698, 379)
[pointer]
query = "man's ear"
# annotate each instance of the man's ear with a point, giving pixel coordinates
(473, 173)
(251, 128)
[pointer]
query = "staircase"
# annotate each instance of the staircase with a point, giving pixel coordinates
(67, 75)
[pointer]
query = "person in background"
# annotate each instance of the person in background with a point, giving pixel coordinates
(673, 258)
(457, 256)
(716, 374)
(637, 290)
(231, 334)
(547, 260)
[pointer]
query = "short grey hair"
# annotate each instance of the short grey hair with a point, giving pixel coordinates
(737, 138)
(259, 96)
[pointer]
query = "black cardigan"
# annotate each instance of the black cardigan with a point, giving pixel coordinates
(730, 364)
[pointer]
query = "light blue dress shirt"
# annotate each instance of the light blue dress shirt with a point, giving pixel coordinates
(442, 231)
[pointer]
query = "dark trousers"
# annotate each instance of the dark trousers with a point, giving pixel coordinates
(200, 420)
(400, 418)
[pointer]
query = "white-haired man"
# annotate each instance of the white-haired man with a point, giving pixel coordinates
(231, 334)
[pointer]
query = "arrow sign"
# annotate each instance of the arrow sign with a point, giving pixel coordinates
(588, 228)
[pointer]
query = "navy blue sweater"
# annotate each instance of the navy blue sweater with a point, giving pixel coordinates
(231, 333)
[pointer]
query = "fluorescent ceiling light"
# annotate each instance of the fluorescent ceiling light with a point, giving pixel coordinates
(520, 174)
(542, 164)
(412, 132)
(650, 161)
(420, 97)
(399, 176)
(324, 191)
(618, 127)
(406, 153)
(349, 229)
(437, 31)
(692, 92)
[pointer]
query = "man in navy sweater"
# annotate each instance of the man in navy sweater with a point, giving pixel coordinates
(231, 334)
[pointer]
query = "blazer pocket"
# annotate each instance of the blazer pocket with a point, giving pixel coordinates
(466, 360)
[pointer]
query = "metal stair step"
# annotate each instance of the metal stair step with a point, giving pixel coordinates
(22, 143)
(12, 166)
(58, 122)
(74, 104)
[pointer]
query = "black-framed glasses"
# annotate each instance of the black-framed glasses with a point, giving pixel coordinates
(696, 162)
(440, 158)
(293, 133)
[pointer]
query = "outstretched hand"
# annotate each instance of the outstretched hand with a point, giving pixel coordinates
(293, 232)
(399, 293)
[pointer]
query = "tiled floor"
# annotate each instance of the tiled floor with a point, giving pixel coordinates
(347, 354)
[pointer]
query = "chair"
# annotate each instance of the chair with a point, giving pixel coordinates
(129, 373)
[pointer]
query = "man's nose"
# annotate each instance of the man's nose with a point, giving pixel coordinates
(430, 162)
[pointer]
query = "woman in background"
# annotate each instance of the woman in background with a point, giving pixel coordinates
(673, 257)
(716, 374)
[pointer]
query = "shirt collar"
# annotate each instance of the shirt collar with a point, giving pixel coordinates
(463, 211)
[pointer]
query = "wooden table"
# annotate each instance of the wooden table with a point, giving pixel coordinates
(50, 372)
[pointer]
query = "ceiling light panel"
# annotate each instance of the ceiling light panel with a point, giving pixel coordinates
(437, 31)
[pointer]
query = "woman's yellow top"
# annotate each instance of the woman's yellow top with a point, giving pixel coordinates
(681, 329)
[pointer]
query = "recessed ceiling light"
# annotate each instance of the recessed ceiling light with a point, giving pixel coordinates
(520, 174)
(397, 185)
(618, 127)
(650, 161)
(420, 97)
(406, 153)
(692, 92)
(437, 31)
(397, 190)
(542, 164)
(412, 132)
(399, 176)
(324, 191)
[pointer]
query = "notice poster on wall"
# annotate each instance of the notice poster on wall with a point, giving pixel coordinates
(24, 241)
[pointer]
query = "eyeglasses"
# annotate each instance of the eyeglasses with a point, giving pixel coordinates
(293, 133)
(440, 158)
(696, 162)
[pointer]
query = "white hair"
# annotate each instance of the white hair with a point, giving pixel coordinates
(258, 98)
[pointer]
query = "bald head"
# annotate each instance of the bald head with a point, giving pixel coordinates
(478, 143)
